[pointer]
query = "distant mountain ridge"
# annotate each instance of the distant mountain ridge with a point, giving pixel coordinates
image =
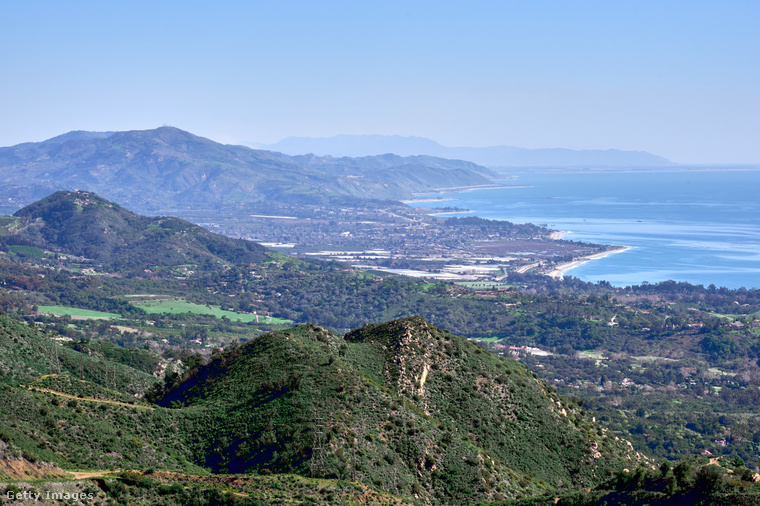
(159, 171)
(491, 156)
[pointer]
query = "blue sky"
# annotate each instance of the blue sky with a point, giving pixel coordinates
(679, 78)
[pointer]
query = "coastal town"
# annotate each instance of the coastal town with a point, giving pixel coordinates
(417, 242)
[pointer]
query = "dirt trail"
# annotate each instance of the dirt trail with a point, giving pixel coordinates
(90, 399)
(85, 475)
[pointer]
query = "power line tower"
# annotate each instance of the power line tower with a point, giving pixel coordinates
(55, 362)
(317, 463)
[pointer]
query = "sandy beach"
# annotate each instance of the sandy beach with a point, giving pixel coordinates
(464, 189)
(559, 234)
(561, 269)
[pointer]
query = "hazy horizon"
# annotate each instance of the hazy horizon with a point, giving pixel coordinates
(674, 79)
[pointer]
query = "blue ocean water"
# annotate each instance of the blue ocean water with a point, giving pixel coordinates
(702, 226)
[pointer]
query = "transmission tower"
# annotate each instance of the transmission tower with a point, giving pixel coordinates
(317, 463)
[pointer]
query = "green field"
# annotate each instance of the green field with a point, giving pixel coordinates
(490, 339)
(30, 251)
(176, 306)
(76, 312)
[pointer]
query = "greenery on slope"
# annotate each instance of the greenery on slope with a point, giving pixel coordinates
(79, 410)
(695, 481)
(310, 402)
(170, 488)
(85, 225)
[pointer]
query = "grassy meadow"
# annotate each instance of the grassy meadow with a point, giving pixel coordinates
(154, 304)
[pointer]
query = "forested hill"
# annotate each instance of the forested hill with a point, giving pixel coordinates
(404, 405)
(167, 169)
(84, 225)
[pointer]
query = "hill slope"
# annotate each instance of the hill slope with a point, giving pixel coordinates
(403, 405)
(77, 410)
(169, 169)
(83, 224)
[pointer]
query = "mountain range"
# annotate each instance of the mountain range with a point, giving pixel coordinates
(491, 156)
(166, 169)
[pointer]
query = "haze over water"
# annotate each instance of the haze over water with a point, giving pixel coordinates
(702, 227)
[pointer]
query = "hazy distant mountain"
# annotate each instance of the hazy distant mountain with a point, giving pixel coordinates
(492, 156)
(167, 169)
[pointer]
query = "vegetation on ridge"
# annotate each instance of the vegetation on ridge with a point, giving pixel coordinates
(403, 405)
(85, 225)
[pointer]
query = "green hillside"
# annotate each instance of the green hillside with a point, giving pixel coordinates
(403, 405)
(79, 410)
(84, 225)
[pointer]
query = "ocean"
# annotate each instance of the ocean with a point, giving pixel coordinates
(699, 226)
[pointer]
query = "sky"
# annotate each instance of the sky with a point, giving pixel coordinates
(677, 78)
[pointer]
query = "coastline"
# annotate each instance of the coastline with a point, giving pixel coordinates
(464, 189)
(557, 235)
(560, 270)
(412, 201)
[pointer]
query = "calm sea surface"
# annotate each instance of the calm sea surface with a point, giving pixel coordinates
(702, 227)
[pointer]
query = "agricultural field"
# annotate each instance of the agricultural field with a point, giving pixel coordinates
(156, 304)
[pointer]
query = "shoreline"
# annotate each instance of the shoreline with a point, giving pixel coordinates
(412, 201)
(559, 271)
(558, 235)
(464, 189)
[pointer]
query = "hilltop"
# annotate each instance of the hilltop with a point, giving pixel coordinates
(403, 405)
(167, 169)
(83, 224)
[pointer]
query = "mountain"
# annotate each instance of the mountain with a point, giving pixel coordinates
(83, 224)
(157, 171)
(403, 405)
(492, 156)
